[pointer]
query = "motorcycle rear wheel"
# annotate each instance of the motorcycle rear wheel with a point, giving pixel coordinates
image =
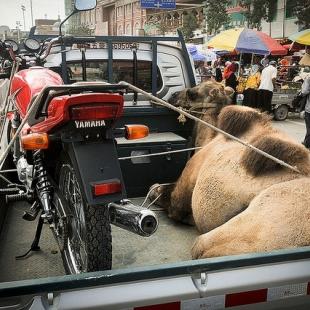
(88, 241)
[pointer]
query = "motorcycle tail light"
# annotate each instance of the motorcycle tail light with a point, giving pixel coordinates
(95, 112)
(136, 131)
(100, 189)
(35, 141)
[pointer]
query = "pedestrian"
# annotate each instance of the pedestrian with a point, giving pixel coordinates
(265, 61)
(200, 71)
(305, 91)
(251, 87)
(231, 80)
(216, 71)
(227, 64)
(266, 87)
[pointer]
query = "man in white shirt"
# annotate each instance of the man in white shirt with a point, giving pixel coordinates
(267, 84)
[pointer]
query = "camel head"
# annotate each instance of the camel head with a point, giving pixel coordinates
(203, 95)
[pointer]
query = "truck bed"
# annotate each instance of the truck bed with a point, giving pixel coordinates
(171, 243)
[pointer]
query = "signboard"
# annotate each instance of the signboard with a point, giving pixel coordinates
(158, 4)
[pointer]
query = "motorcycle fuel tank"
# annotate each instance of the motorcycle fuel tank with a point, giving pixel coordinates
(29, 82)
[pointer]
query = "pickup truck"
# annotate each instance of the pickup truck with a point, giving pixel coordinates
(153, 273)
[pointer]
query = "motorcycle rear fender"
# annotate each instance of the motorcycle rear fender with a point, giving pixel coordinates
(96, 163)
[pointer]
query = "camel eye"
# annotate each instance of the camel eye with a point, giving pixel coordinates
(192, 94)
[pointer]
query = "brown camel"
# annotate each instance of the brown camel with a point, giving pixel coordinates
(222, 179)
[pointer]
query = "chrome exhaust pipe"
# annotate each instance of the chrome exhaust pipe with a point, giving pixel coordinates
(135, 219)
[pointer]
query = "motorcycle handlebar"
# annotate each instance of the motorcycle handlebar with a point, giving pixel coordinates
(6, 51)
(5, 75)
(66, 40)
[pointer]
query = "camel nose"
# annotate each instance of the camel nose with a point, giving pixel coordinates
(174, 98)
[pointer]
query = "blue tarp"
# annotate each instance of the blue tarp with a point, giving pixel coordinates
(192, 49)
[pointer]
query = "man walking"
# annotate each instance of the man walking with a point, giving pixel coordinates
(305, 91)
(267, 84)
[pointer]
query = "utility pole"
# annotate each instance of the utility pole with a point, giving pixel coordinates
(18, 30)
(24, 9)
(31, 13)
(284, 16)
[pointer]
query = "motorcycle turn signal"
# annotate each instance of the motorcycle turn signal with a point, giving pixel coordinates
(133, 132)
(35, 141)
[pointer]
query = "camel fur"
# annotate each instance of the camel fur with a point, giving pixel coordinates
(224, 178)
(277, 218)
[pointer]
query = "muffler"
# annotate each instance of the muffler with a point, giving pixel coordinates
(138, 220)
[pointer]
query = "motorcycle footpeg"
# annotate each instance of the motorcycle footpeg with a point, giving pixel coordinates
(8, 191)
(32, 214)
(17, 197)
(133, 218)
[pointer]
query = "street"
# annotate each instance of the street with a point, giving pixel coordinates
(293, 126)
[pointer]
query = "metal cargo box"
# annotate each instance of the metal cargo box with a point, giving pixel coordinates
(140, 173)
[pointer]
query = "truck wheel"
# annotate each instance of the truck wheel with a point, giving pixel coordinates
(280, 113)
(88, 241)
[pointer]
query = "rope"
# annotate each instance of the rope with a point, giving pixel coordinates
(160, 153)
(19, 129)
(9, 170)
(150, 191)
(172, 107)
(5, 108)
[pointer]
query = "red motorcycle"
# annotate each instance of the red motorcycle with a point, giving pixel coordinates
(61, 139)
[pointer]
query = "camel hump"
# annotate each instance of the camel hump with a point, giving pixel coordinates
(236, 120)
(285, 150)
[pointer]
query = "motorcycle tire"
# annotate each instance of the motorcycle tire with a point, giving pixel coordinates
(88, 244)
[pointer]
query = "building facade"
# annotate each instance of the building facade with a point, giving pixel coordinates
(283, 23)
(126, 17)
(47, 26)
(160, 22)
(236, 14)
(75, 20)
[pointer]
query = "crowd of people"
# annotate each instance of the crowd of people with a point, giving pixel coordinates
(257, 82)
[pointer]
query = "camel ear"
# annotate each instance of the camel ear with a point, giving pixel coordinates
(214, 92)
(192, 94)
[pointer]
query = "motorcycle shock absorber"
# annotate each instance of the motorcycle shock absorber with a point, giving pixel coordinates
(43, 185)
(15, 124)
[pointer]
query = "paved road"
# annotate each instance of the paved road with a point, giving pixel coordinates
(171, 243)
(293, 126)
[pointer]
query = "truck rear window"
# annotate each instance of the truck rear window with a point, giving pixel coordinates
(122, 71)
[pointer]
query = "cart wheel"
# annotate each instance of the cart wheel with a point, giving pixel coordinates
(280, 113)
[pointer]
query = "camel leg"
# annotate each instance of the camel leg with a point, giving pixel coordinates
(277, 218)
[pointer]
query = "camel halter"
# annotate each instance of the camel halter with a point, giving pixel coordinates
(172, 107)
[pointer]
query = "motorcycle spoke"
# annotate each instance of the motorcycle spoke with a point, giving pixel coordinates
(72, 193)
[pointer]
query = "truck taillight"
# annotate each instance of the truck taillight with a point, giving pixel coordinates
(95, 112)
(107, 188)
